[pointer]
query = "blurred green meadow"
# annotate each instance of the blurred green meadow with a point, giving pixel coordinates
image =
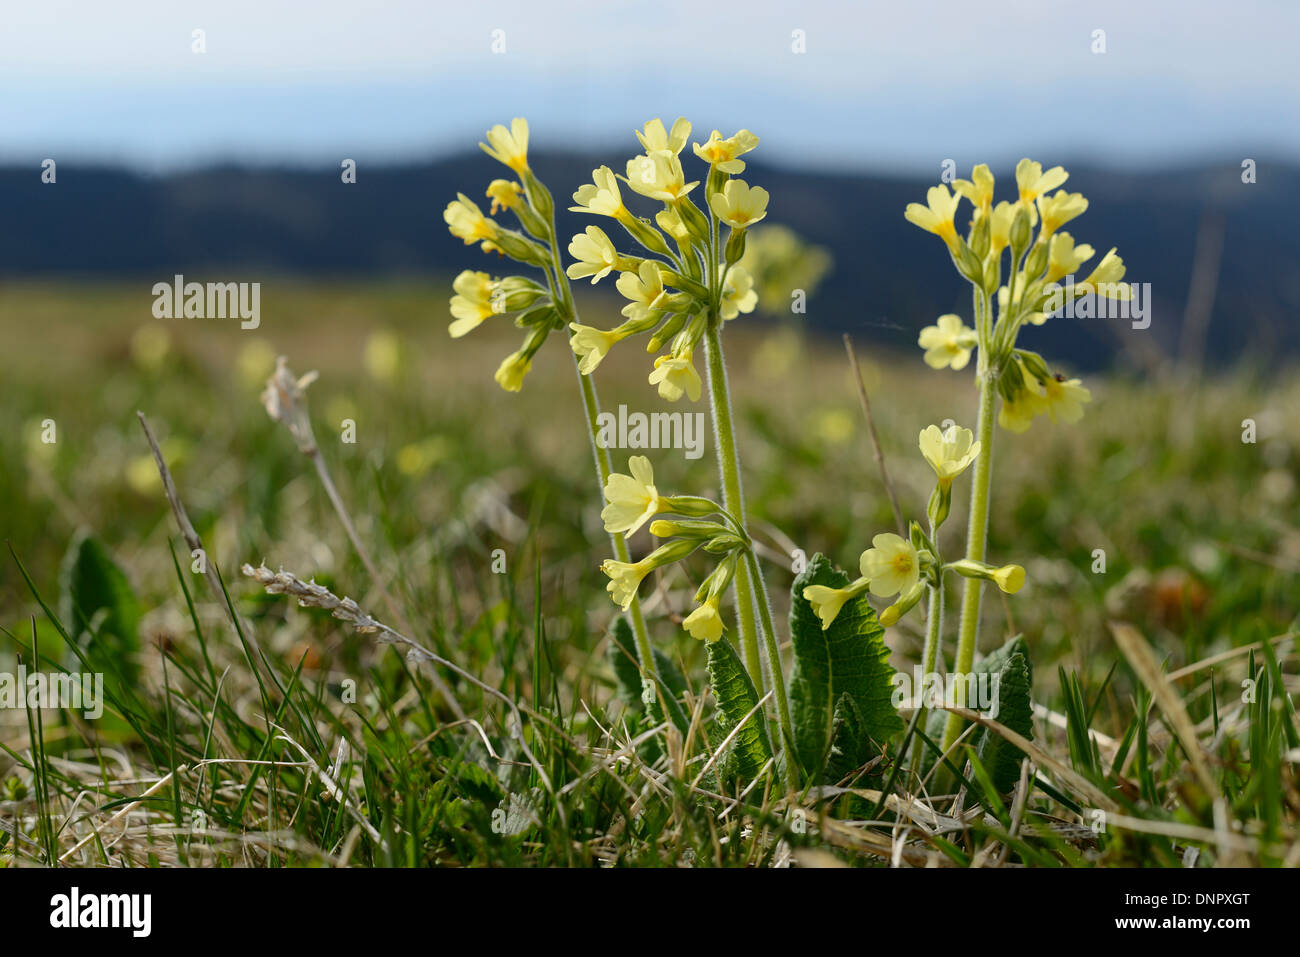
(1152, 510)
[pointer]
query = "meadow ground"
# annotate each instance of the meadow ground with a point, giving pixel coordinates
(203, 759)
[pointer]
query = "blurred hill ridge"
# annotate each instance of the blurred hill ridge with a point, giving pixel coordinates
(889, 278)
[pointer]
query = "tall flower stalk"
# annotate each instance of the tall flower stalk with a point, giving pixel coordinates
(1031, 293)
(478, 297)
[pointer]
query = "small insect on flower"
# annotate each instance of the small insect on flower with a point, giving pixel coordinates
(1064, 398)
(947, 343)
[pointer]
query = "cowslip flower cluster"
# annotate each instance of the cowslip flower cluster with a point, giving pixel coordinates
(1028, 291)
(685, 272)
(538, 309)
(904, 567)
(631, 501)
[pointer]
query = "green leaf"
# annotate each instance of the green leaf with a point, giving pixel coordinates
(736, 698)
(100, 610)
(848, 660)
(634, 691)
(1015, 710)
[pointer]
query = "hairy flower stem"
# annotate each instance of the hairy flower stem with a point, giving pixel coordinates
(562, 296)
(976, 541)
(929, 660)
(733, 498)
(774, 665)
(591, 406)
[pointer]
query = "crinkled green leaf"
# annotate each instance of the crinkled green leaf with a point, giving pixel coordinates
(737, 698)
(848, 659)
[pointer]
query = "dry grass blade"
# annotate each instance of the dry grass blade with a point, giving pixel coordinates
(1143, 660)
(1061, 771)
(875, 439)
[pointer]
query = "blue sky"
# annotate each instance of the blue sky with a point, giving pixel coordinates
(880, 86)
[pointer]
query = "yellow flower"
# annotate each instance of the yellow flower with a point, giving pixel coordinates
(601, 196)
(472, 303)
(1105, 279)
(645, 288)
(1033, 182)
(948, 343)
(978, 189)
(592, 345)
(1064, 398)
(504, 195)
(676, 376)
(723, 154)
(1065, 257)
(738, 205)
(937, 215)
(633, 499)
(655, 137)
(826, 602)
(1010, 578)
(1059, 209)
(949, 452)
(624, 579)
(705, 622)
(150, 345)
(510, 374)
(595, 253)
(509, 146)
(1018, 415)
(658, 175)
(738, 293)
(466, 221)
(1004, 214)
(891, 565)
(383, 356)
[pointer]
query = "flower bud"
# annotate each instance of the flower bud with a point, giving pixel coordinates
(1009, 578)
(539, 196)
(665, 332)
(735, 248)
(1035, 265)
(1019, 234)
(906, 602)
